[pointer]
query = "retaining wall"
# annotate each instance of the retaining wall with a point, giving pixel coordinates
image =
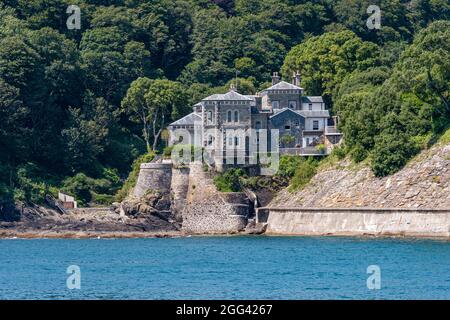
(153, 177)
(357, 221)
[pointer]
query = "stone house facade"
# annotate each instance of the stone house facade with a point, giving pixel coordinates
(233, 126)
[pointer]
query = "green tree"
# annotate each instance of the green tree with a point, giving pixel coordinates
(324, 61)
(153, 104)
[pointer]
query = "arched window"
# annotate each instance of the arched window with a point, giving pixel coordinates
(236, 116)
(229, 116)
(258, 125)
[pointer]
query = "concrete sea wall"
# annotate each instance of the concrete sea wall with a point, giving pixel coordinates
(357, 221)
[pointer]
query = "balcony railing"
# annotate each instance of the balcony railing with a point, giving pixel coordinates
(331, 130)
(305, 151)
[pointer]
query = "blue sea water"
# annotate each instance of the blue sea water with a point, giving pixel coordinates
(252, 267)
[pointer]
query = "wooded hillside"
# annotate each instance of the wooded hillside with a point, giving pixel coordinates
(70, 99)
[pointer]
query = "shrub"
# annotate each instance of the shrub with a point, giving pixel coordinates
(339, 152)
(79, 186)
(287, 140)
(358, 153)
(32, 184)
(391, 152)
(230, 181)
(303, 174)
(421, 141)
(132, 177)
(288, 165)
(104, 199)
(321, 148)
(167, 152)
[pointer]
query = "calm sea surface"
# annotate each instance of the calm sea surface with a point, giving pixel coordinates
(256, 267)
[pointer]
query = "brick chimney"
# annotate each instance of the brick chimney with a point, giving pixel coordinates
(275, 78)
(297, 78)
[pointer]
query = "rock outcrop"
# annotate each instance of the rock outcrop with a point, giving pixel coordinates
(423, 183)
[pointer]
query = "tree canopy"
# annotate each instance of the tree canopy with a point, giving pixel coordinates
(70, 99)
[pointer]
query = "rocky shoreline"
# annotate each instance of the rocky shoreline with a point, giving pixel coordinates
(126, 220)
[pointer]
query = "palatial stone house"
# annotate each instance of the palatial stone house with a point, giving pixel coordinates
(221, 123)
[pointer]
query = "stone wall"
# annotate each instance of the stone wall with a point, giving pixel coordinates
(209, 211)
(154, 177)
(358, 222)
(179, 190)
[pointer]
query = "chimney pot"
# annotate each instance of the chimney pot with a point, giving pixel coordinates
(297, 78)
(275, 78)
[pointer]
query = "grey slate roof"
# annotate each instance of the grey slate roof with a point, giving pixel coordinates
(229, 96)
(313, 114)
(312, 99)
(305, 113)
(188, 120)
(280, 111)
(283, 85)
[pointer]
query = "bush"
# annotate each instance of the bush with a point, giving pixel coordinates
(132, 177)
(167, 152)
(287, 140)
(391, 152)
(321, 148)
(230, 181)
(288, 165)
(303, 174)
(358, 153)
(103, 199)
(32, 184)
(79, 186)
(339, 152)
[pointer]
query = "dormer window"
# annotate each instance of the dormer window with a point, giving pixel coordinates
(310, 107)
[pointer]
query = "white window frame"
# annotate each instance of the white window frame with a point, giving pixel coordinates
(313, 125)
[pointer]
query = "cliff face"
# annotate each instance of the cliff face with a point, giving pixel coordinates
(423, 183)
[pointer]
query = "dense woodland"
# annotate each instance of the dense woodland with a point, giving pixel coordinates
(72, 101)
